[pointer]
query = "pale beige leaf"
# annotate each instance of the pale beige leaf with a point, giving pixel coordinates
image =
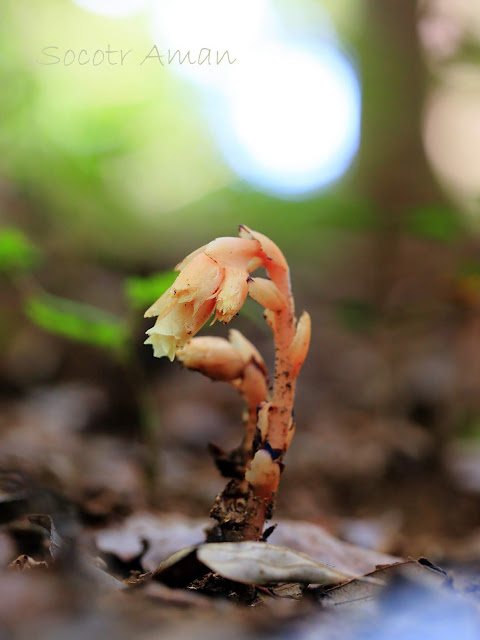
(322, 546)
(259, 563)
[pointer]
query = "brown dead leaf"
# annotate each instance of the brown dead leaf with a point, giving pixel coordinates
(289, 591)
(181, 568)
(24, 562)
(159, 536)
(356, 592)
(46, 522)
(7, 548)
(165, 534)
(176, 597)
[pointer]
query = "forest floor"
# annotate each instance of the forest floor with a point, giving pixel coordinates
(85, 533)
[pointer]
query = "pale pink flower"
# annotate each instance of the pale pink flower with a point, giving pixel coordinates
(213, 279)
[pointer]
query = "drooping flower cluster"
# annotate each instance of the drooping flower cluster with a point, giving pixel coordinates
(214, 279)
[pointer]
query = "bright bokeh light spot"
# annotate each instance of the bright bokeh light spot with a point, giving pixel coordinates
(219, 24)
(236, 26)
(286, 113)
(290, 123)
(113, 8)
(287, 117)
(451, 135)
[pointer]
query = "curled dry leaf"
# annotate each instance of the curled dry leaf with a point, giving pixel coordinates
(259, 563)
(357, 593)
(166, 596)
(46, 522)
(25, 562)
(174, 559)
(180, 569)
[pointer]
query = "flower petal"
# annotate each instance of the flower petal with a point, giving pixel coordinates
(162, 306)
(232, 294)
(198, 281)
(234, 253)
(269, 248)
(181, 265)
(175, 329)
(162, 345)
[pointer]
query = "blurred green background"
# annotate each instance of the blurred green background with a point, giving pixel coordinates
(125, 161)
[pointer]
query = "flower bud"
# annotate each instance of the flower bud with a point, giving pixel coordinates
(266, 293)
(263, 474)
(299, 348)
(247, 350)
(214, 357)
(270, 319)
(290, 434)
(263, 419)
(254, 385)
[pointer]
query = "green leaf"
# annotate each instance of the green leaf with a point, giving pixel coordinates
(469, 268)
(436, 223)
(17, 253)
(76, 321)
(356, 315)
(469, 427)
(142, 292)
